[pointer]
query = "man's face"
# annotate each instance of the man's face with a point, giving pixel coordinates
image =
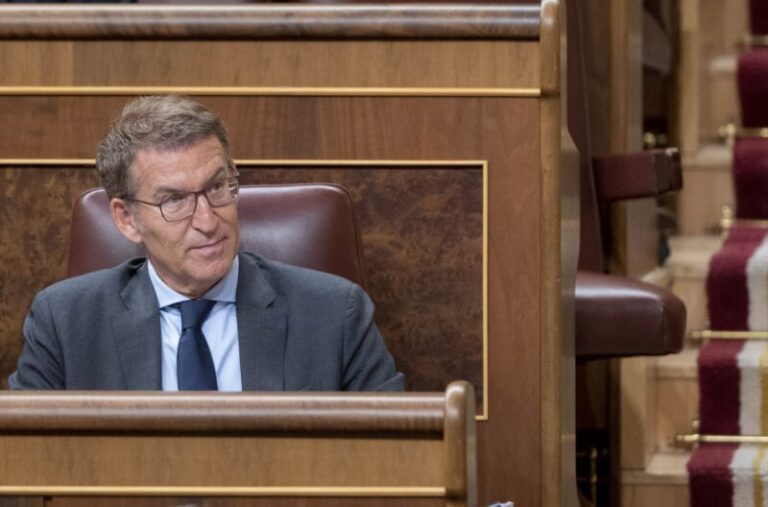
(192, 254)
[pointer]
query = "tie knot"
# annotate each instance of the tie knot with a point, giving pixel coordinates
(194, 312)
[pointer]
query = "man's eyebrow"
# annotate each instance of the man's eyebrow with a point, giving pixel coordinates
(222, 170)
(161, 192)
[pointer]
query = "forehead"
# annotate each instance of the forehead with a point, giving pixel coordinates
(182, 168)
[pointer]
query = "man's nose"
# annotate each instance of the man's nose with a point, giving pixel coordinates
(204, 217)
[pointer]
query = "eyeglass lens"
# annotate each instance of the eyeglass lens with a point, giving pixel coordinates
(180, 206)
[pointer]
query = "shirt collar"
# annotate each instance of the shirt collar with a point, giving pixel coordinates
(224, 290)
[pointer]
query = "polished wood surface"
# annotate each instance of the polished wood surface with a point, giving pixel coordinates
(254, 21)
(390, 63)
(83, 412)
(171, 501)
(397, 445)
(427, 103)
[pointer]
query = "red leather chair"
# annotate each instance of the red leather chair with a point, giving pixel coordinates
(309, 225)
(615, 315)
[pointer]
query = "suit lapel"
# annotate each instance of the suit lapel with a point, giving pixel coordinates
(261, 330)
(137, 334)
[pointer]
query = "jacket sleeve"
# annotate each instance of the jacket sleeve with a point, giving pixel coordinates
(41, 362)
(368, 365)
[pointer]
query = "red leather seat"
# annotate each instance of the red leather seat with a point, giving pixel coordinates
(309, 225)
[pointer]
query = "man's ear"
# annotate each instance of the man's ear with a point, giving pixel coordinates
(124, 220)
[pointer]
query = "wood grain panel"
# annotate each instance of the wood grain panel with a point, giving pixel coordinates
(34, 232)
(422, 245)
(251, 461)
(41, 62)
(22, 501)
(393, 63)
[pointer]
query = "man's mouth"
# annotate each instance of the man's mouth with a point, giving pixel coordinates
(210, 246)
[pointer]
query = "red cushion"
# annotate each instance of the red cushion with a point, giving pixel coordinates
(310, 225)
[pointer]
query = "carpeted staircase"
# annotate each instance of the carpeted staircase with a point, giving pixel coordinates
(729, 470)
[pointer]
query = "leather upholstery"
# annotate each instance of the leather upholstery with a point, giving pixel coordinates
(643, 174)
(617, 316)
(309, 225)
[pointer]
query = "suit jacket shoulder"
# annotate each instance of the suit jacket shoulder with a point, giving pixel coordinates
(329, 339)
(82, 331)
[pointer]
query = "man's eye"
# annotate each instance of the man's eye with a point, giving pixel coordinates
(217, 186)
(173, 199)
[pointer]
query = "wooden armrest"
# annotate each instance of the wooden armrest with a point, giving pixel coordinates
(633, 175)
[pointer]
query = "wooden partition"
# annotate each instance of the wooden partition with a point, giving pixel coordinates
(444, 121)
(273, 449)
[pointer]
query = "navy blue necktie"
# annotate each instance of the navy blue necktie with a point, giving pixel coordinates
(194, 364)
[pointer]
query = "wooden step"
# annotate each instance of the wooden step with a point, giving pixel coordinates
(677, 396)
(720, 103)
(707, 187)
(663, 482)
(689, 262)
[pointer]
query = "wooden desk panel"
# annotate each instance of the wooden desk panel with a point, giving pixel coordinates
(271, 445)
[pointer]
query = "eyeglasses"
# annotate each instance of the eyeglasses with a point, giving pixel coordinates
(177, 207)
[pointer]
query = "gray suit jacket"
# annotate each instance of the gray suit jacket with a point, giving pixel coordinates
(298, 330)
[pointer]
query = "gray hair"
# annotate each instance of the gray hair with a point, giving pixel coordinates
(165, 122)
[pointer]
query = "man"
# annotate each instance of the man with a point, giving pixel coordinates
(196, 313)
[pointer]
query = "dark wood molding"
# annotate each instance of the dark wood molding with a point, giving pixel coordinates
(447, 21)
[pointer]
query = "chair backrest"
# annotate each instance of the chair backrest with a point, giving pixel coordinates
(309, 225)
(591, 245)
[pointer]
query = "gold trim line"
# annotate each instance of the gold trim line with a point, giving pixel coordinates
(324, 491)
(727, 222)
(755, 40)
(697, 438)
(745, 222)
(485, 416)
(265, 162)
(709, 334)
(730, 132)
(353, 91)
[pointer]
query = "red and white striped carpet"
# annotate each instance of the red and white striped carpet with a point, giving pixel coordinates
(733, 377)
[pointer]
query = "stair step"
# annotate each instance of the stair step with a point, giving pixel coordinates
(677, 396)
(666, 467)
(678, 366)
(690, 254)
(720, 103)
(707, 187)
(711, 156)
(663, 482)
(689, 263)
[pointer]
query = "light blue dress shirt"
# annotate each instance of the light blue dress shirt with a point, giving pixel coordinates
(220, 329)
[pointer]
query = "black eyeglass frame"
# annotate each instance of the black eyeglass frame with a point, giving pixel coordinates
(232, 182)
